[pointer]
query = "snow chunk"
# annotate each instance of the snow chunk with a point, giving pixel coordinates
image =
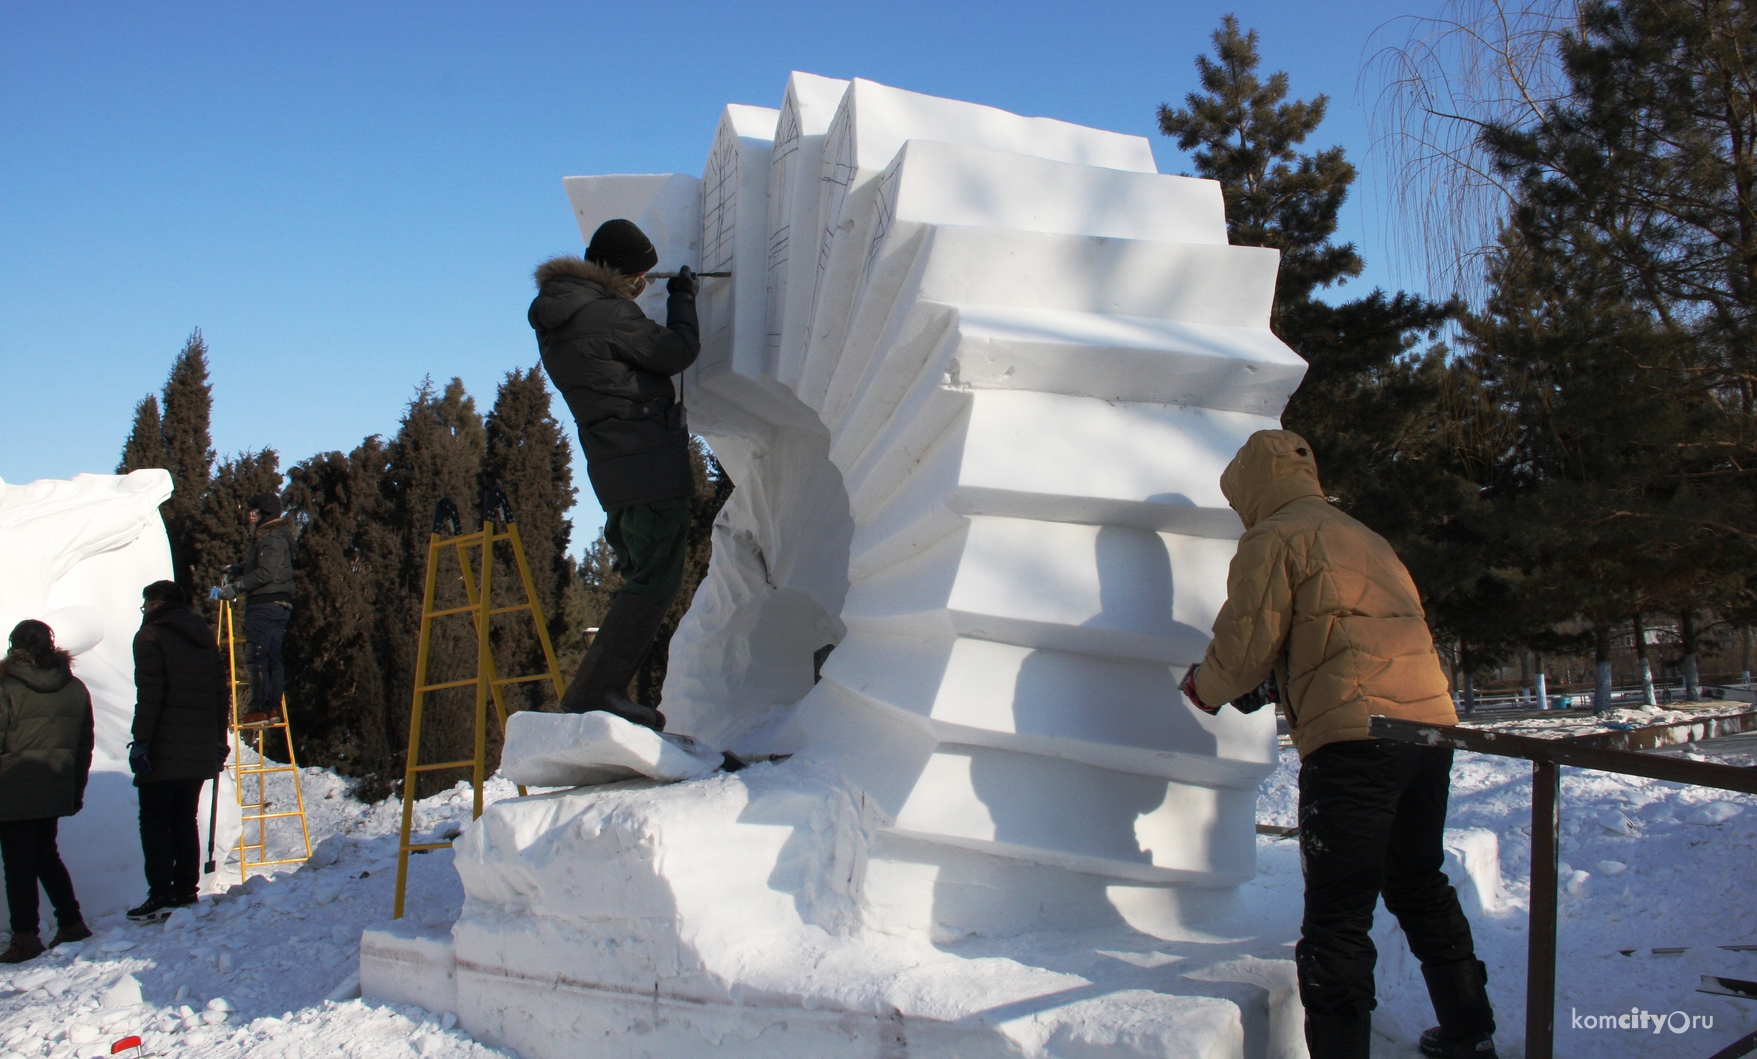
(578, 749)
(125, 993)
(1714, 813)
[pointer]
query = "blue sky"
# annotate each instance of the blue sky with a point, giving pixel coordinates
(348, 197)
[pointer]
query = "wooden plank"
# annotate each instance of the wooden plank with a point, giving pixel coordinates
(1569, 752)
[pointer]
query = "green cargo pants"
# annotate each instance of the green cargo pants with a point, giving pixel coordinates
(651, 542)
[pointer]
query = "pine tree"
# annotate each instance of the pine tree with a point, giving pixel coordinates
(437, 453)
(527, 455)
(189, 454)
(342, 708)
(219, 534)
(145, 446)
(1372, 403)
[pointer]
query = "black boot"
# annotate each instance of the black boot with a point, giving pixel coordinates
(616, 652)
(1467, 1021)
(1339, 1034)
(23, 947)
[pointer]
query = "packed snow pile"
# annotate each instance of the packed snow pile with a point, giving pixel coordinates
(266, 968)
(1669, 872)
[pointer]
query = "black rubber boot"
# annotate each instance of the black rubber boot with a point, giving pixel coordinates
(1467, 1021)
(1339, 1034)
(616, 652)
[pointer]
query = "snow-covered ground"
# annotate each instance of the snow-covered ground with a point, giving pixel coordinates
(1649, 865)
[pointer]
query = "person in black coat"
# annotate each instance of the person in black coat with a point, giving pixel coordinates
(613, 366)
(46, 738)
(266, 577)
(180, 742)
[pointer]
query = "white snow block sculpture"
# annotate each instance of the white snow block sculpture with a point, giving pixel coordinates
(577, 749)
(75, 555)
(976, 421)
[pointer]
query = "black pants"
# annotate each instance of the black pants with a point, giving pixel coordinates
(28, 848)
(170, 837)
(1372, 817)
(265, 629)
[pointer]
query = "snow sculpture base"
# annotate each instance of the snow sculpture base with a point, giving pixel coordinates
(721, 916)
(578, 749)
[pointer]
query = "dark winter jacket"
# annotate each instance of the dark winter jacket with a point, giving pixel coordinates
(268, 572)
(45, 739)
(613, 366)
(182, 708)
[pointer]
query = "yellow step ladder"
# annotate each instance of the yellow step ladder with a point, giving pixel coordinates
(249, 762)
(497, 527)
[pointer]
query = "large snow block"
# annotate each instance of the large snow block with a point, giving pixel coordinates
(406, 964)
(75, 554)
(577, 749)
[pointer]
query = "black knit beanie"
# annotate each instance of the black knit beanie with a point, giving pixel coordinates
(267, 505)
(621, 245)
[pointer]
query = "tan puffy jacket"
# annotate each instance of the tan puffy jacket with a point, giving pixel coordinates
(1322, 601)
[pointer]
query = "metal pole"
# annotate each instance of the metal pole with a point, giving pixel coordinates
(1540, 960)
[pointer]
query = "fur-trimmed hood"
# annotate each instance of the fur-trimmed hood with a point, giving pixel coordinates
(18, 665)
(616, 284)
(271, 524)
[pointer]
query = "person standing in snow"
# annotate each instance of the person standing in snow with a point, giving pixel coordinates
(1322, 604)
(46, 736)
(266, 576)
(613, 366)
(180, 727)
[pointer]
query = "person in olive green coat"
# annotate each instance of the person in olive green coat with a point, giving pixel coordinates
(45, 758)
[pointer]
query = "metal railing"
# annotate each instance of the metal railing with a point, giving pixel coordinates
(1620, 752)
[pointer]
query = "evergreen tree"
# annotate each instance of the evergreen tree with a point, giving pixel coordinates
(437, 453)
(189, 454)
(527, 455)
(145, 446)
(1372, 405)
(342, 708)
(219, 533)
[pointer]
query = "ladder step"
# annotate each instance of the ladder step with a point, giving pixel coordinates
(448, 611)
(448, 684)
(445, 765)
(425, 846)
(523, 680)
(271, 816)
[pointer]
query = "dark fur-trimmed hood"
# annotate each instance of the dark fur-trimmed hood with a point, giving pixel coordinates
(616, 284)
(18, 665)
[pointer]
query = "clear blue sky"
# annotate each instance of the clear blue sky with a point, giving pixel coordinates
(348, 197)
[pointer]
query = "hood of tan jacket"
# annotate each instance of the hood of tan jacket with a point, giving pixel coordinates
(1273, 468)
(1321, 601)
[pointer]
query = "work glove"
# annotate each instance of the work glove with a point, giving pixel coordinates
(684, 283)
(225, 752)
(234, 570)
(222, 592)
(1188, 687)
(1252, 701)
(137, 760)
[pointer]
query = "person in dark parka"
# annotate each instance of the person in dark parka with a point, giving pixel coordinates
(46, 739)
(266, 577)
(180, 729)
(613, 366)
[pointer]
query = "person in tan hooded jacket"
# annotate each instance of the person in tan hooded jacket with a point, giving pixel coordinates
(1322, 604)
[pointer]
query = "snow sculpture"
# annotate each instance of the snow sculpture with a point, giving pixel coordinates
(75, 554)
(975, 376)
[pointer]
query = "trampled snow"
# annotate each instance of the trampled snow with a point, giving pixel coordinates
(275, 949)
